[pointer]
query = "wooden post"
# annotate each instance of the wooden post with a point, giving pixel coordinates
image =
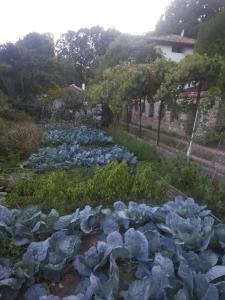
(159, 122)
(140, 118)
(198, 97)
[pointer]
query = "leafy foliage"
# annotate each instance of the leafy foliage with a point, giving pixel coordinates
(79, 187)
(71, 154)
(19, 135)
(189, 178)
(186, 176)
(67, 156)
(31, 66)
(188, 15)
(142, 150)
(81, 135)
(82, 49)
(211, 36)
(147, 180)
(176, 251)
(128, 49)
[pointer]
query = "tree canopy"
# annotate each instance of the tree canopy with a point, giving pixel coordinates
(29, 66)
(211, 36)
(130, 49)
(188, 15)
(83, 47)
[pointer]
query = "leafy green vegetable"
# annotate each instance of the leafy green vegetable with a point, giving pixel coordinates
(172, 252)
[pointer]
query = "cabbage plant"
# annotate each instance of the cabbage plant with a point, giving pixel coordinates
(171, 252)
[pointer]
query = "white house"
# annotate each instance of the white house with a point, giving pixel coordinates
(174, 47)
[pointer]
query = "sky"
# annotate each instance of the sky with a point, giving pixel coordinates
(19, 17)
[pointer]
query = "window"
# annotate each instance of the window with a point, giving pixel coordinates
(177, 49)
(151, 109)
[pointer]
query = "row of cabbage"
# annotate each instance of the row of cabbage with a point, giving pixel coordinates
(69, 151)
(67, 156)
(177, 252)
(82, 135)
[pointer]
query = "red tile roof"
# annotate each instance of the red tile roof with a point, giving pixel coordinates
(175, 39)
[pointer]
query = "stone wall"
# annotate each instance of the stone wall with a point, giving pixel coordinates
(208, 122)
(171, 123)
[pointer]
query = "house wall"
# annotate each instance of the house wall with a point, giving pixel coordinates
(174, 56)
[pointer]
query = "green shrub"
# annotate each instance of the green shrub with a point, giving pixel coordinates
(194, 182)
(112, 182)
(188, 177)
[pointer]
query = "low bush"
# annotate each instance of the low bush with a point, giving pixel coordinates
(149, 184)
(67, 191)
(22, 138)
(194, 182)
(114, 181)
(19, 135)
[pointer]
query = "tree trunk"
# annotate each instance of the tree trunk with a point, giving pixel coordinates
(140, 119)
(159, 122)
(22, 85)
(128, 119)
(198, 97)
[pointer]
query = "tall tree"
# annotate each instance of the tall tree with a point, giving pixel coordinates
(211, 36)
(31, 65)
(83, 47)
(187, 15)
(113, 89)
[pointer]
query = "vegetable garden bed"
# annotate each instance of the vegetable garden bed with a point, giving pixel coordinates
(136, 252)
(70, 153)
(128, 251)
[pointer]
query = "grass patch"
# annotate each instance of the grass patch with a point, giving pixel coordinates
(143, 150)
